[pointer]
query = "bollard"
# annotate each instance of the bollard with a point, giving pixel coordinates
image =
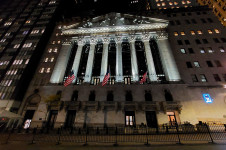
(33, 138)
(59, 133)
(178, 136)
(209, 133)
(87, 131)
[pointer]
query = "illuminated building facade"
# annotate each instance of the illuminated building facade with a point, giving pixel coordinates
(183, 53)
(219, 8)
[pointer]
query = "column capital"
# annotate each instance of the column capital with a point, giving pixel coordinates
(132, 39)
(118, 39)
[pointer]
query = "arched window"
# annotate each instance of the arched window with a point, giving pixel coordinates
(168, 96)
(110, 96)
(129, 96)
(148, 96)
(92, 96)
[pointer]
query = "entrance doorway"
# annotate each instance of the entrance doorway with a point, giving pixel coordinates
(52, 118)
(70, 119)
(130, 118)
(151, 119)
(28, 117)
(172, 118)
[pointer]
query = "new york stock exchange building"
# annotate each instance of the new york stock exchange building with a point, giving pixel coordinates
(128, 46)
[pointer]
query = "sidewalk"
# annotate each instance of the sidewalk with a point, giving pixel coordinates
(49, 146)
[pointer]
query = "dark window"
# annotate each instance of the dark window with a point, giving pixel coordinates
(179, 42)
(194, 78)
(216, 40)
(172, 23)
(205, 41)
(187, 42)
(209, 63)
(110, 96)
(218, 63)
(74, 96)
(148, 96)
(210, 20)
(83, 61)
(191, 50)
(129, 96)
(203, 20)
(216, 77)
(189, 14)
(187, 21)
(92, 96)
(198, 13)
(224, 76)
(193, 21)
(141, 59)
(177, 22)
(168, 96)
(223, 40)
(197, 41)
(188, 64)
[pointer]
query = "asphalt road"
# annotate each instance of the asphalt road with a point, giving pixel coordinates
(65, 146)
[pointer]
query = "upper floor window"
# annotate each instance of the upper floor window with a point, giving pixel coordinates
(196, 64)
(203, 78)
(110, 96)
(168, 95)
(92, 96)
(74, 96)
(148, 96)
(216, 31)
(129, 96)
(194, 78)
(216, 77)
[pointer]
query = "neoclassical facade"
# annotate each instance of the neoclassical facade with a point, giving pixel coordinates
(128, 46)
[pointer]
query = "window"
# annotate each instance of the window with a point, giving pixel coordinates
(175, 33)
(25, 32)
(188, 64)
(210, 31)
(216, 77)
(127, 80)
(92, 96)
(182, 33)
(74, 96)
(182, 50)
(46, 59)
(221, 49)
(27, 45)
(197, 41)
(148, 96)
(209, 63)
(172, 119)
(50, 50)
(194, 78)
(110, 96)
(203, 20)
(191, 50)
(187, 42)
(202, 51)
(218, 63)
(3, 40)
(16, 46)
(52, 59)
(199, 32)
(216, 31)
(168, 96)
(210, 50)
(129, 118)
(205, 41)
(41, 70)
(210, 20)
(216, 40)
(223, 40)
(196, 64)
(28, 21)
(203, 78)
(187, 21)
(224, 76)
(192, 32)
(48, 70)
(193, 21)
(129, 96)
(177, 22)
(55, 50)
(179, 42)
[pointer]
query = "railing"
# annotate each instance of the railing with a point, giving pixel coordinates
(183, 134)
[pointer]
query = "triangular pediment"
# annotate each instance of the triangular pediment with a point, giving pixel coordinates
(114, 22)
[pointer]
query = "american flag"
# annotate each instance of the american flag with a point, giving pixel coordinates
(144, 78)
(106, 77)
(70, 78)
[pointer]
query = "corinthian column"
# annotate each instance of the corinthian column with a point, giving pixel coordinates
(150, 62)
(134, 60)
(61, 63)
(89, 66)
(104, 61)
(119, 71)
(77, 59)
(168, 61)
